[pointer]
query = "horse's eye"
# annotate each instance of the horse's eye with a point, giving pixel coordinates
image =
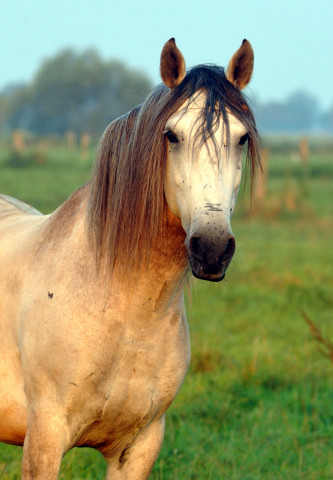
(171, 136)
(244, 139)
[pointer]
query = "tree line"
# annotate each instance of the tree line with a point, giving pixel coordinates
(299, 113)
(80, 92)
(72, 91)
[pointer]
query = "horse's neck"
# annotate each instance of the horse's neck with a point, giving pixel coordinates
(168, 250)
(169, 262)
(160, 282)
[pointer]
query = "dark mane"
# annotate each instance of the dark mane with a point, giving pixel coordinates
(127, 208)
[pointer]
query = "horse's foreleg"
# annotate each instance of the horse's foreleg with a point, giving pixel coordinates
(136, 462)
(44, 447)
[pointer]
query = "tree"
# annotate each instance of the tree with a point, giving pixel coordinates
(299, 113)
(78, 92)
(327, 120)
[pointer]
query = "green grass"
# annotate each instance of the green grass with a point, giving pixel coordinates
(47, 184)
(257, 403)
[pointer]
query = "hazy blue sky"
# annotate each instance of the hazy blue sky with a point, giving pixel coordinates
(292, 39)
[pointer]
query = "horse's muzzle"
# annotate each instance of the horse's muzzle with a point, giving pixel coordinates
(210, 256)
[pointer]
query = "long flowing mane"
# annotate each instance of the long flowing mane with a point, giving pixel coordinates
(127, 209)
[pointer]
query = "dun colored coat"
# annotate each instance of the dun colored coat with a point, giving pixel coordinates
(94, 341)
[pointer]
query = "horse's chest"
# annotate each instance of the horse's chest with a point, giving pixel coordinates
(140, 383)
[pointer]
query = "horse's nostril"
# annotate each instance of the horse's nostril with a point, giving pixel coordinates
(230, 249)
(195, 248)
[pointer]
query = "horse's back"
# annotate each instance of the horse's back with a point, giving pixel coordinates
(10, 205)
(17, 221)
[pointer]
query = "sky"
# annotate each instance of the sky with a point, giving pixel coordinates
(292, 39)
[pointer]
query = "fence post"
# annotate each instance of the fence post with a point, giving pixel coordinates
(304, 150)
(85, 141)
(261, 180)
(71, 140)
(18, 141)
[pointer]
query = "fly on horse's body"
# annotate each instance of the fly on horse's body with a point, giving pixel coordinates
(94, 341)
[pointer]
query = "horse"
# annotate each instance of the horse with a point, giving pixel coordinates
(94, 341)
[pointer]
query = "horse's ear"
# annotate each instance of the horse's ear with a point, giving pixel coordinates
(240, 67)
(172, 65)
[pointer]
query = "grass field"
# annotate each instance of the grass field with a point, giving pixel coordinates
(257, 403)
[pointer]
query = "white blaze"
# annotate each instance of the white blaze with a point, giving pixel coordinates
(200, 188)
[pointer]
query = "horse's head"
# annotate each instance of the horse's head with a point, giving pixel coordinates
(204, 141)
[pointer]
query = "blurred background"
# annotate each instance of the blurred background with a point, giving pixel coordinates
(258, 400)
(77, 65)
